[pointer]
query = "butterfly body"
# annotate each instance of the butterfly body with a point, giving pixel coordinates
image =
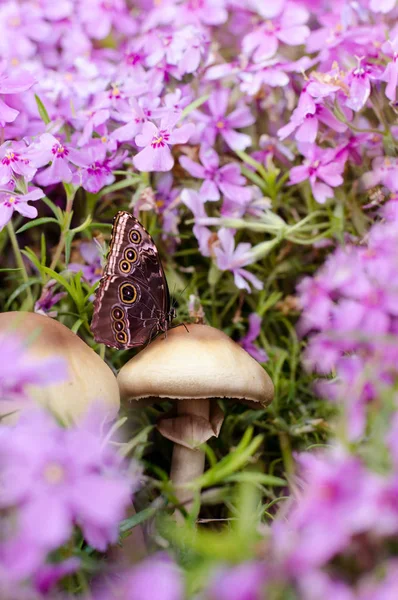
(132, 303)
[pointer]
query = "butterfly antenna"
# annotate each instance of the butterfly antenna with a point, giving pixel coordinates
(180, 294)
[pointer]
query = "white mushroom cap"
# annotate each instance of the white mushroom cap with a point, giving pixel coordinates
(90, 380)
(202, 362)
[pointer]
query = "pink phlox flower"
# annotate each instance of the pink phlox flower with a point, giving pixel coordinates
(220, 123)
(320, 164)
(50, 149)
(271, 147)
(60, 478)
(140, 111)
(195, 203)
(335, 486)
(166, 194)
(156, 141)
(244, 581)
(98, 172)
(92, 120)
(226, 179)
(252, 334)
(384, 171)
(196, 44)
(155, 578)
(306, 118)
(267, 10)
(19, 368)
(99, 17)
(288, 28)
(359, 83)
(208, 12)
(93, 269)
(14, 163)
(231, 258)
(12, 83)
(55, 11)
(23, 27)
(258, 75)
(48, 299)
(390, 75)
(382, 6)
(11, 201)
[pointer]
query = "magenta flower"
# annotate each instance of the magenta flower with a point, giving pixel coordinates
(383, 6)
(219, 123)
(226, 180)
(13, 161)
(10, 201)
(156, 155)
(91, 254)
(19, 369)
(252, 334)
(289, 28)
(195, 203)
(384, 172)
(60, 478)
(209, 12)
(229, 258)
(48, 299)
(325, 165)
(49, 149)
(240, 582)
(98, 171)
(306, 118)
(156, 578)
(359, 82)
(12, 84)
(390, 74)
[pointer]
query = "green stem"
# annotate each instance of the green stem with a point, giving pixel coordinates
(286, 453)
(61, 244)
(19, 261)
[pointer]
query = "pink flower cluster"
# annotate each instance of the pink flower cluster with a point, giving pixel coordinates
(90, 87)
(350, 311)
(54, 480)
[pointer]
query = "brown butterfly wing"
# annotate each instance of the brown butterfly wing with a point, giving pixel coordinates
(132, 299)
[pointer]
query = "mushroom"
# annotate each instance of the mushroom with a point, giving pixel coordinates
(194, 366)
(90, 379)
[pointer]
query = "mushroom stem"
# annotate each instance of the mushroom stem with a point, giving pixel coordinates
(187, 463)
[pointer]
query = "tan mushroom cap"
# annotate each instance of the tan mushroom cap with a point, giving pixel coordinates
(90, 378)
(202, 362)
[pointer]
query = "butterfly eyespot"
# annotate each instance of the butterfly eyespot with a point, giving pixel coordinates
(122, 337)
(118, 326)
(117, 313)
(128, 293)
(124, 266)
(135, 236)
(130, 255)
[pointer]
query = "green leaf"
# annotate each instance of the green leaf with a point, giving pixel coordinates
(9, 269)
(55, 209)
(120, 185)
(42, 110)
(20, 289)
(194, 105)
(36, 222)
(255, 477)
(138, 518)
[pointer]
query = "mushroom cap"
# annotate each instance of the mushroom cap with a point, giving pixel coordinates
(90, 379)
(202, 362)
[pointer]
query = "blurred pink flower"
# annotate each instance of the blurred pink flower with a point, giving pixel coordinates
(252, 334)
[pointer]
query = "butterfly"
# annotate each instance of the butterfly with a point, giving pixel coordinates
(132, 302)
